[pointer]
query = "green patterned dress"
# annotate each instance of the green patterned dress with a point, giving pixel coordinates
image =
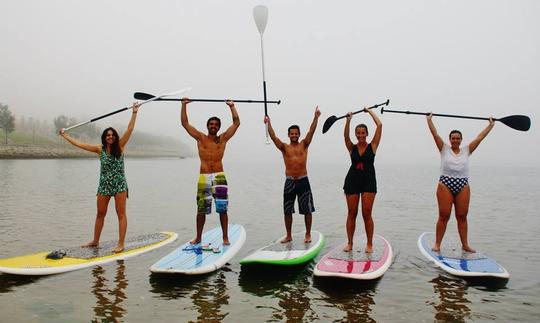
(112, 179)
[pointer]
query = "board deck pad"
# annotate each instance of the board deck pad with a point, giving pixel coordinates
(452, 249)
(293, 245)
(454, 260)
(107, 248)
(205, 257)
(359, 254)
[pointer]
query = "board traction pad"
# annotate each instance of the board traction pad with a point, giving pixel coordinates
(293, 245)
(358, 254)
(107, 248)
(452, 249)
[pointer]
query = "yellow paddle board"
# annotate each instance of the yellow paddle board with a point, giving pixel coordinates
(69, 259)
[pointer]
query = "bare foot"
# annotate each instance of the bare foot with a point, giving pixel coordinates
(286, 239)
(348, 247)
(307, 238)
(468, 249)
(195, 241)
(226, 241)
(118, 248)
(436, 248)
(91, 244)
(368, 249)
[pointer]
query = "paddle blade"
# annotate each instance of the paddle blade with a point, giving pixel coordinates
(518, 122)
(260, 14)
(328, 123)
(142, 96)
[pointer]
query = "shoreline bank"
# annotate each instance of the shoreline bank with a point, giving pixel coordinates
(50, 152)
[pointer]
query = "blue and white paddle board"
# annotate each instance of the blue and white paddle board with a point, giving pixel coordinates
(455, 261)
(205, 257)
(287, 254)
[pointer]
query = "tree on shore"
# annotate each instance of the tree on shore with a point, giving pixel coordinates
(87, 131)
(7, 120)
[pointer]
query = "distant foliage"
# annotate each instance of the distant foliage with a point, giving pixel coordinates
(88, 131)
(7, 120)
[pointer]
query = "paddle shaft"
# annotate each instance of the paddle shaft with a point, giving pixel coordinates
(371, 107)
(124, 109)
(97, 118)
(212, 100)
(437, 114)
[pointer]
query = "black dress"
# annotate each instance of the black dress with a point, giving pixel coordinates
(361, 175)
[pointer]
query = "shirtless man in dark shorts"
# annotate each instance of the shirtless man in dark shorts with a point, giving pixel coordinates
(296, 183)
(212, 181)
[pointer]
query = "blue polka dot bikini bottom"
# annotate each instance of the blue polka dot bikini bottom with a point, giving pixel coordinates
(454, 184)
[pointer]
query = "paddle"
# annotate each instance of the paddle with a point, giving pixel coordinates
(260, 15)
(126, 108)
(518, 122)
(330, 121)
(146, 96)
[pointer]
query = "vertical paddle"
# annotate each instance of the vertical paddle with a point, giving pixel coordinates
(126, 108)
(517, 122)
(260, 15)
(330, 120)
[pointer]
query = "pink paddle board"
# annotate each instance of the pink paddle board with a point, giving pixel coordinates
(356, 264)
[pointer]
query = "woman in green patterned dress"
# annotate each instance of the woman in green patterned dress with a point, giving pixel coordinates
(112, 180)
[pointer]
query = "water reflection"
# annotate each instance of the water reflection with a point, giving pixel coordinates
(208, 293)
(109, 301)
(452, 305)
(290, 285)
(8, 282)
(353, 297)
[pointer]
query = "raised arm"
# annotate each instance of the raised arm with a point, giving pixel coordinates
(438, 140)
(125, 138)
(279, 144)
(378, 129)
(91, 148)
(185, 123)
(312, 128)
(236, 122)
(474, 144)
(346, 132)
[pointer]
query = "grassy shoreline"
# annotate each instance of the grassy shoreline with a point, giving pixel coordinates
(13, 151)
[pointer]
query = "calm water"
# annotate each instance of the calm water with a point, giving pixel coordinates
(49, 204)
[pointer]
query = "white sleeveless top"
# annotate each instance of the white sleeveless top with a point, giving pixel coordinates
(455, 165)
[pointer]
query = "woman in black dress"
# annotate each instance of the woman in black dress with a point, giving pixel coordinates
(360, 182)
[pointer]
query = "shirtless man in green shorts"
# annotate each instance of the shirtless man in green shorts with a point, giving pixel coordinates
(296, 182)
(212, 180)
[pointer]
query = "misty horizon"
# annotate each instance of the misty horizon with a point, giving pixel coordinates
(468, 58)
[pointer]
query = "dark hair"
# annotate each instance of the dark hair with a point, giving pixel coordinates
(213, 118)
(455, 131)
(362, 126)
(115, 147)
(294, 126)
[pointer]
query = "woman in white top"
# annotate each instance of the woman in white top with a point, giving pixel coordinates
(453, 187)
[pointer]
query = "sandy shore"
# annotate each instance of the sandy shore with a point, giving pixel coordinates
(50, 152)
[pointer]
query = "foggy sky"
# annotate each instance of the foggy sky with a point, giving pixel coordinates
(479, 58)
